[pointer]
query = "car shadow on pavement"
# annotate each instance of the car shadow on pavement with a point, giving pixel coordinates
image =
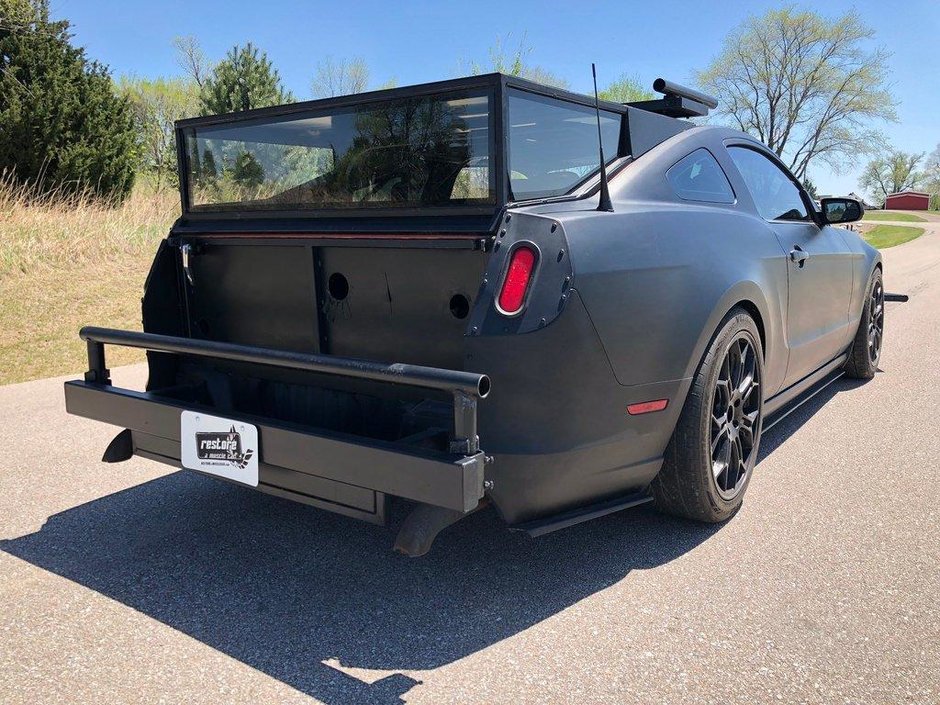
(791, 423)
(285, 588)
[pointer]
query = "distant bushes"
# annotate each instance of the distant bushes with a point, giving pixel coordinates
(62, 128)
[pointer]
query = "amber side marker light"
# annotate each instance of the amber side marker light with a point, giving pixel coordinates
(518, 276)
(646, 407)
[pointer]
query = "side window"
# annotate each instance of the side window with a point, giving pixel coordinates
(774, 193)
(698, 177)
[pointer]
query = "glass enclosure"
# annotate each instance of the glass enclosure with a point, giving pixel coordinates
(553, 144)
(474, 143)
(405, 152)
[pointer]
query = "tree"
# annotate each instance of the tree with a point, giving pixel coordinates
(243, 80)
(191, 59)
(803, 84)
(516, 63)
(156, 105)
(810, 188)
(344, 77)
(62, 128)
(932, 178)
(625, 89)
(891, 172)
(247, 170)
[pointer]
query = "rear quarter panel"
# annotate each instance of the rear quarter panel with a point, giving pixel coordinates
(659, 274)
(658, 283)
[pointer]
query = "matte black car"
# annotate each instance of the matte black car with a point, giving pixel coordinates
(426, 293)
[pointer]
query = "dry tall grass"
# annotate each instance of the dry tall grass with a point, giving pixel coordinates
(68, 261)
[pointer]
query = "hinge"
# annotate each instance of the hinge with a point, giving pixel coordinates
(185, 251)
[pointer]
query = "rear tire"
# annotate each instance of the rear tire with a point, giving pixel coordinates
(713, 450)
(866, 347)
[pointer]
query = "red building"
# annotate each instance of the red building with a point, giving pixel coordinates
(908, 201)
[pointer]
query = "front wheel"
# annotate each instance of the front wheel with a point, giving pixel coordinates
(714, 447)
(866, 347)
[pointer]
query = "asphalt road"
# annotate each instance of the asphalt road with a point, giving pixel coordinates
(133, 583)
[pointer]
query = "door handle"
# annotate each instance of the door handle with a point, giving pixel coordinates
(799, 255)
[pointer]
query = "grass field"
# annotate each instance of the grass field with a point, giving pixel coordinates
(892, 215)
(65, 263)
(882, 236)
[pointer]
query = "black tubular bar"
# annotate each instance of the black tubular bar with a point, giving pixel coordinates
(97, 369)
(453, 381)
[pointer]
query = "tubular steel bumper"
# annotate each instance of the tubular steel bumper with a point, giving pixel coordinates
(347, 474)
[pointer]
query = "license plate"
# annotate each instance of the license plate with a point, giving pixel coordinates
(219, 446)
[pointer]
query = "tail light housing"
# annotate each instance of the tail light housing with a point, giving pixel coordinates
(512, 294)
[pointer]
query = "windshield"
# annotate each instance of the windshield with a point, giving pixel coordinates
(406, 152)
(553, 144)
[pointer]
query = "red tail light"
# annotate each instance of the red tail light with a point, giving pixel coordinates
(516, 283)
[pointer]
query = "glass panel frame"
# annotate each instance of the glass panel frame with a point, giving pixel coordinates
(572, 165)
(278, 164)
(495, 86)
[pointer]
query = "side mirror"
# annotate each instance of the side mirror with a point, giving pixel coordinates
(841, 210)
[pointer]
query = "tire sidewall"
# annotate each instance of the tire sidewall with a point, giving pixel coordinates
(873, 281)
(737, 325)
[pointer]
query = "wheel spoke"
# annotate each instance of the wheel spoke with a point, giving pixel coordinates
(722, 432)
(736, 454)
(737, 364)
(721, 456)
(718, 467)
(875, 321)
(735, 416)
(723, 387)
(745, 397)
(747, 429)
(746, 384)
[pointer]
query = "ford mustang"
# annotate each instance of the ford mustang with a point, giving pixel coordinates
(486, 290)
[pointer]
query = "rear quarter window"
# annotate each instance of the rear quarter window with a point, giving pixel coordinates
(699, 177)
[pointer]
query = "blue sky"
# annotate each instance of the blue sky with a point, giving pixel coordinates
(414, 42)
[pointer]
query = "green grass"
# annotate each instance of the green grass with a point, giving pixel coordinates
(882, 236)
(897, 217)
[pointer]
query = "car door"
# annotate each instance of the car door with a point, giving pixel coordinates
(819, 269)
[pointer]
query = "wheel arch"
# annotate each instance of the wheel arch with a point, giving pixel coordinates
(749, 296)
(752, 309)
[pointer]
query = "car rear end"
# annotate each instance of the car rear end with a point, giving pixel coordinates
(324, 320)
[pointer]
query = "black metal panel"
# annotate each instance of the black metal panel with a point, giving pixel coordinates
(255, 295)
(398, 303)
(434, 478)
(550, 283)
(363, 504)
(649, 129)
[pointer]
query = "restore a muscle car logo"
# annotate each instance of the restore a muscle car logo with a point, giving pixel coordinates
(224, 447)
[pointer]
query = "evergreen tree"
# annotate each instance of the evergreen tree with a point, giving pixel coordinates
(61, 125)
(247, 171)
(243, 80)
